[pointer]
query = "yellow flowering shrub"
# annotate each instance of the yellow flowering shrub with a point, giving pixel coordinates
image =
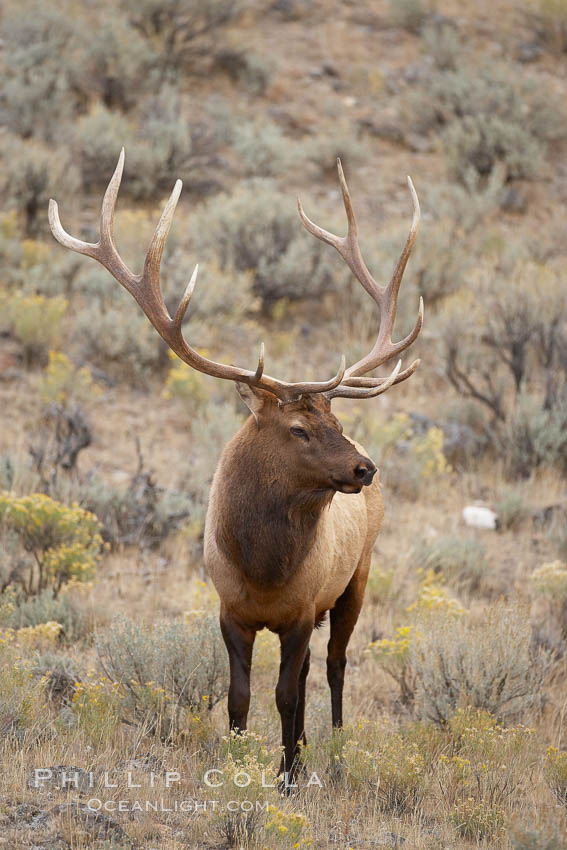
(478, 819)
(385, 436)
(249, 747)
(41, 636)
(63, 382)
(482, 776)
(7, 603)
(185, 383)
(288, 829)
(266, 657)
(428, 451)
(555, 772)
(22, 692)
(245, 774)
(205, 600)
(393, 654)
(433, 597)
(35, 320)
(65, 541)
(406, 458)
(388, 762)
(380, 584)
(550, 580)
(34, 253)
(96, 705)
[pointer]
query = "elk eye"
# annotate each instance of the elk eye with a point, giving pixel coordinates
(299, 432)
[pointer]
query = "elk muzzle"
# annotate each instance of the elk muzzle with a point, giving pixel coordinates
(365, 471)
(361, 476)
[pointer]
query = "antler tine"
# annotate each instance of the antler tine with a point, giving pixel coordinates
(260, 367)
(109, 204)
(153, 257)
(384, 348)
(394, 377)
(385, 297)
(146, 290)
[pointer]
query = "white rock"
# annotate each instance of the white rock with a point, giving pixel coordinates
(479, 517)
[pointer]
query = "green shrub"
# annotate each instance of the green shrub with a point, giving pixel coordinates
(141, 513)
(409, 14)
(162, 145)
(117, 63)
(35, 321)
(48, 608)
(489, 118)
(322, 150)
(487, 663)
(511, 507)
(538, 833)
(166, 669)
(262, 148)
(550, 582)
(443, 42)
(38, 61)
(103, 337)
(458, 560)
(211, 428)
(478, 143)
(535, 437)
(550, 20)
(256, 230)
(36, 174)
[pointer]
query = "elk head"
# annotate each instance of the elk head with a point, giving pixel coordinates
(312, 454)
(298, 414)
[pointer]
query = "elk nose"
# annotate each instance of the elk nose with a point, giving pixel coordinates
(364, 471)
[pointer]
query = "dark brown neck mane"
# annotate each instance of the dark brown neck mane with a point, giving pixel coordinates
(266, 526)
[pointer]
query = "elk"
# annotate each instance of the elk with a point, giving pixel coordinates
(295, 506)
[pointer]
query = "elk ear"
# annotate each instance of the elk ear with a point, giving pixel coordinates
(253, 398)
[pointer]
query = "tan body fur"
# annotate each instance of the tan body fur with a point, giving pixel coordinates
(347, 528)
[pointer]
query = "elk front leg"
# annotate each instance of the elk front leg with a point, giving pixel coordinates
(239, 642)
(300, 711)
(291, 682)
(343, 620)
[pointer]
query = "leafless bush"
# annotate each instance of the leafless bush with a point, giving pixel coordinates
(507, 350)
(143, 514)
(182, 31)
(64, 432)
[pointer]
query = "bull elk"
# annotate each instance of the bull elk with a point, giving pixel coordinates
(295, 506)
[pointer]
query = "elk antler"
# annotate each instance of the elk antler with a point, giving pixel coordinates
(145, 288)
(386, 297)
